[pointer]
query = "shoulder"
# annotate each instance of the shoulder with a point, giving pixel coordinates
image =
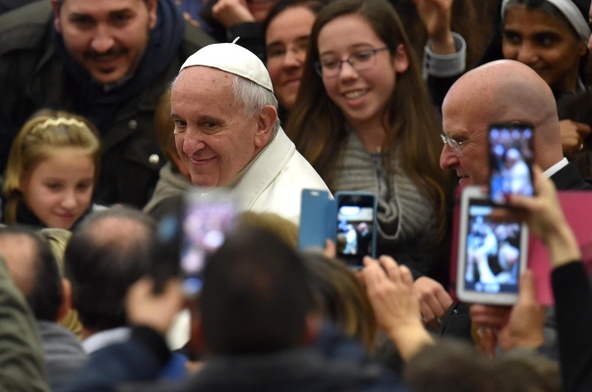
(25, 27)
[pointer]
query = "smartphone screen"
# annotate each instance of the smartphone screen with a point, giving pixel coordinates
(356, 227)
(493, 254)
(207, 219)
(511, 156)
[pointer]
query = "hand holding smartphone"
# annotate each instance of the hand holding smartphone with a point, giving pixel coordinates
(492, 254)
(511, 155)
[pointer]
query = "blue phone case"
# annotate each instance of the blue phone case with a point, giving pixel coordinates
(317, 219)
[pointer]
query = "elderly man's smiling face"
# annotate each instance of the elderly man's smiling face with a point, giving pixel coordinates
(214, 137)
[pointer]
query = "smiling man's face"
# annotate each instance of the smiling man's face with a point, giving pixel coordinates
(106, 37)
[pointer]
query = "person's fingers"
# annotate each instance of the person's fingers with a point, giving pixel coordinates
(406, 275)
(486, 341)
(427, 314)
(445, 301)
(140, 289)
(436, 309)
(391, 268)
(330, 249)
(490, 315)
(527, 293)
(372, 271)
(583, 130)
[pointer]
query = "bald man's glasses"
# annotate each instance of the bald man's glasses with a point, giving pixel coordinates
(456, 145)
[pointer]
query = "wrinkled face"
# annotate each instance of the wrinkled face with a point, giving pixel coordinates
(214, 138)
(59, 189)
(287, 40)
(545, 44)
(361, 95)
(465, 122)
(106, 37)
(260, 8)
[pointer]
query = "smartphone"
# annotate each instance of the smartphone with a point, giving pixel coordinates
(317, 223)
(491, 254)
(511, 156)
(207, 219)
(355, 235)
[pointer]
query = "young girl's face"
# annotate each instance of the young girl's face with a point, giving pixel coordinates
(362, 95)
(59, 189)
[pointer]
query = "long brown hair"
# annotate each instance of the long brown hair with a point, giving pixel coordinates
(317, 126)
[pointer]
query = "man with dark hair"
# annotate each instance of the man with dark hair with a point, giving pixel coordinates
(35, 272)
(107, 60)
(105, 256)
(272, 306)
(257, 322)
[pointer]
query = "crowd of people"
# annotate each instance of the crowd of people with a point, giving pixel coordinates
(115, 111)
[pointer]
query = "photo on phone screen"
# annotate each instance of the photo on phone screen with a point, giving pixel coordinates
(206, 222)
(511, 156)
(492, 254)
(356, 227)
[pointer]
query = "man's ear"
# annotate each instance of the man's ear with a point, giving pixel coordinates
(57, 22)
(66, 304)
(152, 13)
(313, 324)
(265, 122)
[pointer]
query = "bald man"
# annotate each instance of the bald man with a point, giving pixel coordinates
(500, 92)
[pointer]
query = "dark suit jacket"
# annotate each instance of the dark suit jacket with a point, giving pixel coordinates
(570, 179)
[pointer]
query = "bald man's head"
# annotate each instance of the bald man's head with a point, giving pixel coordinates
(498, 92)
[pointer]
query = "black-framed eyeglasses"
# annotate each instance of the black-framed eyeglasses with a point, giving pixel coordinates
(359, 60)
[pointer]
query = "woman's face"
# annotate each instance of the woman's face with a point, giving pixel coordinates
(286, 42)
(362, 95)
(544, 43)
(59, 189)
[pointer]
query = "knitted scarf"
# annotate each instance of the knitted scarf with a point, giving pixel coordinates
(406, 219)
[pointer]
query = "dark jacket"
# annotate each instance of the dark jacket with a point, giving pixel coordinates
(339, 365)
(64, 356)
(33, 76)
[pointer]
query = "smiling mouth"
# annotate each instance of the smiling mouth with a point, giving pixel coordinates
(355, 94)
(201, 161)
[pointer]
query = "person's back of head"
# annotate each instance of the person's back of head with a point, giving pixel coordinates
(464, 370)
(341, 298)
(468, 370)
(105, 256)
(34, 270)
(255, 297)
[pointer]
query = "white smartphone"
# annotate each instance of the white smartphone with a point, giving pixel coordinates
(491, 254)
